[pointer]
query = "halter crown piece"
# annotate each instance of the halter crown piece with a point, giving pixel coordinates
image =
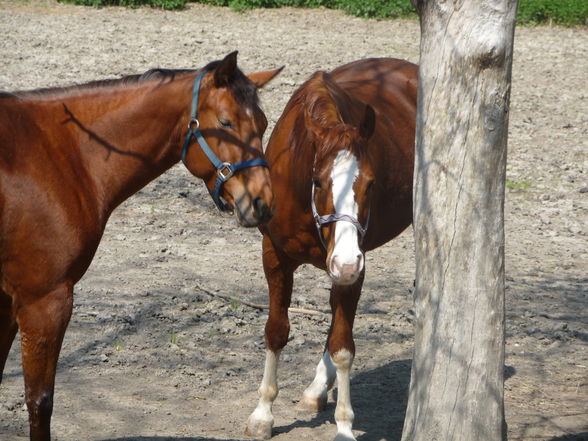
(224, 170)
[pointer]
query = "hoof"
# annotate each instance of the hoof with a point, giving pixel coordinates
(312, 404)
(258, 429)
(344, 437)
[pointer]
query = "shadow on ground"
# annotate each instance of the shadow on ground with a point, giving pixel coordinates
(379, 401)
(572, 437)
(576, 437)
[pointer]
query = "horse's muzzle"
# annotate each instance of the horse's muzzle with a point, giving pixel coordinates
(263, 212)
(345, 272)
(254, 212)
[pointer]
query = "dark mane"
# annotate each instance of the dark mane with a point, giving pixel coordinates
(330, 107)
(152, 74)
(242, 88)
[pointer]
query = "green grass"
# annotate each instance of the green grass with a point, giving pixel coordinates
(518, 185)
(562, 12)
(359, 8)
(164, 4)
(531, 12)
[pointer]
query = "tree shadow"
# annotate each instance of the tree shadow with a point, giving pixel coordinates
(572, 437)
(169, 438)
(548, 306)
(379, 400)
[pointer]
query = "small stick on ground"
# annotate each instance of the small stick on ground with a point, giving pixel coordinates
(257, 305)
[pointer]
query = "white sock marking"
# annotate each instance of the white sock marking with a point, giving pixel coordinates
(343, 412)
(323, 379)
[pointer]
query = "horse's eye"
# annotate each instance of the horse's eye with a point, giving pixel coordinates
(370, 184)
(316, 183)
(225, 123)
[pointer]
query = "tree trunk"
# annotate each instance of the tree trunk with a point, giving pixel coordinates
(456, 390)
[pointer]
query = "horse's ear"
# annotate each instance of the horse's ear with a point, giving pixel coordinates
(366, 129)
(225, 70)
(260, 79)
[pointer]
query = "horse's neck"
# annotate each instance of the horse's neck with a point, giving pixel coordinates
(129, 137)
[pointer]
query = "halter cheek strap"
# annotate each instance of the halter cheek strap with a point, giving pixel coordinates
(320, 221)
(224, 170)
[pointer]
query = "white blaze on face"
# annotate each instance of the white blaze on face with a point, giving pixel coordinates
(347, 258)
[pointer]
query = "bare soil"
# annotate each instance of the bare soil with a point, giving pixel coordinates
(151, 355)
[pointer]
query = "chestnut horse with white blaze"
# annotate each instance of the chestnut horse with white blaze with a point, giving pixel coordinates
(341, 158)
(70, 156)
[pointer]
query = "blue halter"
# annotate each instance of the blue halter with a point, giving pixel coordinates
(224, 170)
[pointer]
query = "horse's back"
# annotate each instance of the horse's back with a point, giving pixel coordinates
(372, 79)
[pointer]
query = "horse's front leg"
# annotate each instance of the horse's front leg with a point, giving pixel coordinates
(337, 359)
(42, 324)
(279, 272)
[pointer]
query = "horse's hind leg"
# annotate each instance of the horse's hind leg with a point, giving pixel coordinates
(337, 359)
(314, 398)
(42, 325)
(8, 329)
(279, 272)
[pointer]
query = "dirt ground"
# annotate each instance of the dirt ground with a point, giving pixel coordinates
(150, 355)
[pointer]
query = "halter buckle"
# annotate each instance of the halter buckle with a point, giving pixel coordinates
(225, 171)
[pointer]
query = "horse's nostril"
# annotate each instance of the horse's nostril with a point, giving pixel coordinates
(263, 212)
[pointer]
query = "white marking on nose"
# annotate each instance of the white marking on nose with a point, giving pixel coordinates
(346, 252)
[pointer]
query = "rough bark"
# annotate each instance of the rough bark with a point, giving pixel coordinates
(456, 390)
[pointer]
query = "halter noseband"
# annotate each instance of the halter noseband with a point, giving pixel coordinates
(320, 221)
(224, 170)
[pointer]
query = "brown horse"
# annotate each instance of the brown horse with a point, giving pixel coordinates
(69, 156)
(341, 159)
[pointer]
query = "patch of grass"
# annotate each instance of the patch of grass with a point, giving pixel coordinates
(518, 185)
(360, 8)
(173, 338)
(531, 12)
(562, 12)
(163, 4)
(377, 8)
